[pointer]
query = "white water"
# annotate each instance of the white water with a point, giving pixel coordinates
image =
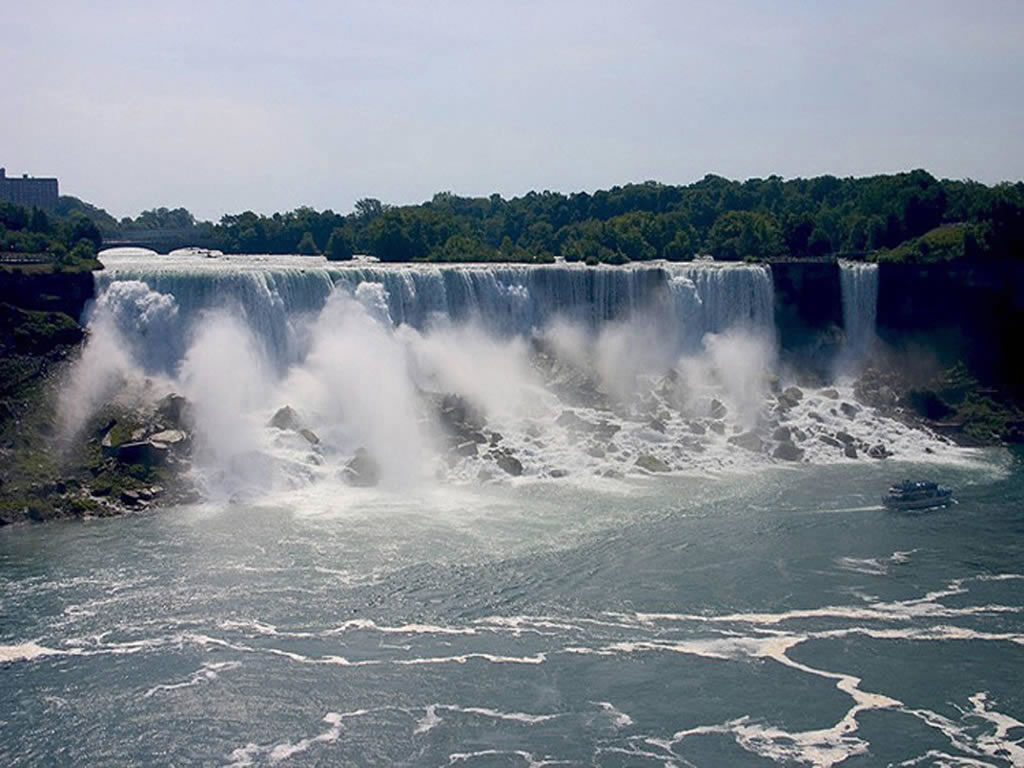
(360, 350)
(859, 285)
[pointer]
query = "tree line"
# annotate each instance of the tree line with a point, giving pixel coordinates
(66, 239)
(906, 217)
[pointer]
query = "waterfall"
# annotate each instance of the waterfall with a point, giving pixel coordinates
(859, 284)
(276, 296)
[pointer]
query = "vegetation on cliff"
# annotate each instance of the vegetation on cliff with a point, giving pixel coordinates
(897, 217)
(35, 240)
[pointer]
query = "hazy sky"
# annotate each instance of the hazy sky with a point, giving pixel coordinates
(226, 106)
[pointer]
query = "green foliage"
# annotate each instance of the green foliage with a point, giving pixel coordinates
(339, 245)
(740, 235)
(307, 245)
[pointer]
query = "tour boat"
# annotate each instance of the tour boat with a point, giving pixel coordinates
(917, 495)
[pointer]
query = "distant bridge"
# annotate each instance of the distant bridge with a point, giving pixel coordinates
(160, 240)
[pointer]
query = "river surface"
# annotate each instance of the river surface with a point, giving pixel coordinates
(778, 616)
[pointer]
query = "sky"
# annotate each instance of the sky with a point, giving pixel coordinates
(223, 106)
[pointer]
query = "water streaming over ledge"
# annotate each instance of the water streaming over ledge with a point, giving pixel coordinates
(859, 285)
(684, 302)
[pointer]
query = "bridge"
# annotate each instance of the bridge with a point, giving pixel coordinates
(160, 240)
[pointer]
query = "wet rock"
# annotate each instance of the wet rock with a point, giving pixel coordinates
(782, 434)
(850, 451)
(173, 438)
(788, 451)
(717, 427)
(879, 451)
(798, 435)
(131, 498)
(651, 463)
(829, 440)
(508, 463)
(496, 437)
(849, 409)
(693, 443)
(697, 428)
(596, 451)
(145, 452)
(657, 425)
(467, 448)
(310, 435)
(285, 418)
(845, 437)
(815, 416)
(363, 470)
(749, 440)
(790, 398)
(556, 473)
(175, 410)
(887, 396)
(718, 409)
(830, 393)
(459, 418)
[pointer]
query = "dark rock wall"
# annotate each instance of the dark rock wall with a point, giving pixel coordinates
(808, 312)
(66, 292)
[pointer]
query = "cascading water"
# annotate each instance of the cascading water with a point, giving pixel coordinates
(859, 284)
(571, 370)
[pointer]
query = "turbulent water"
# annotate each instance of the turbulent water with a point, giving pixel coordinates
(737, 608)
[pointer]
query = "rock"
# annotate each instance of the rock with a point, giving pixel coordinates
(651, 463)
(496, 437)
(829, 440)
(467, 448)
(849, 410)
(887, 396)
(458, 415)
(285, 418)
(558, 473)
(814, 416)
(718, 409)
(363, 470)
(830, 393)
(657, 425)
(850, 451)
(508, 463)
(131, 498)
(697, 428)
(310, 435)
(596, 451)
(571, 421)
(175, 410)
(845, 437)
(794, 393)
(749, 440)
(174, 438)
(717, 427)
(788, 451)
(879, 451)
(782, 434)
(798, 434)
(145, 452)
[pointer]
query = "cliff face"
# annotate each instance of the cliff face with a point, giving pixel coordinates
(969, 312)
(66, 292)
(808, 311)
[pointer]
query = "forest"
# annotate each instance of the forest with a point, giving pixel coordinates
(908, 217)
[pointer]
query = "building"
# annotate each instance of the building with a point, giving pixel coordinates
(41, 193)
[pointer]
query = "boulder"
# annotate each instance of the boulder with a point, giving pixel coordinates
(829, 440)
(131, 498)
(145, 452)
(717, 427)
(310, 435)
(830, 393)
(749, 440)
(558, 473)
(467, 448)
(717, 409)
(175, 411)
(845, 437)
(798, 435)
(651, 463)
(850, 451)
(657, 425)
(879, 451)
(849, 409)
(697, 428)
(508, 463)
(596, 451)
(285, 418)
(782, 434)
(573, 422)
(458, 416)
(363, 470)
(788, 451)
(174, 438)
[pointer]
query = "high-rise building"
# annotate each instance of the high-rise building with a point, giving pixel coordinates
(41, 193)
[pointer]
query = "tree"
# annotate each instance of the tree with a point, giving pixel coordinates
(339, 247)
(83, 228)
(307, 245)
(745, 235)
